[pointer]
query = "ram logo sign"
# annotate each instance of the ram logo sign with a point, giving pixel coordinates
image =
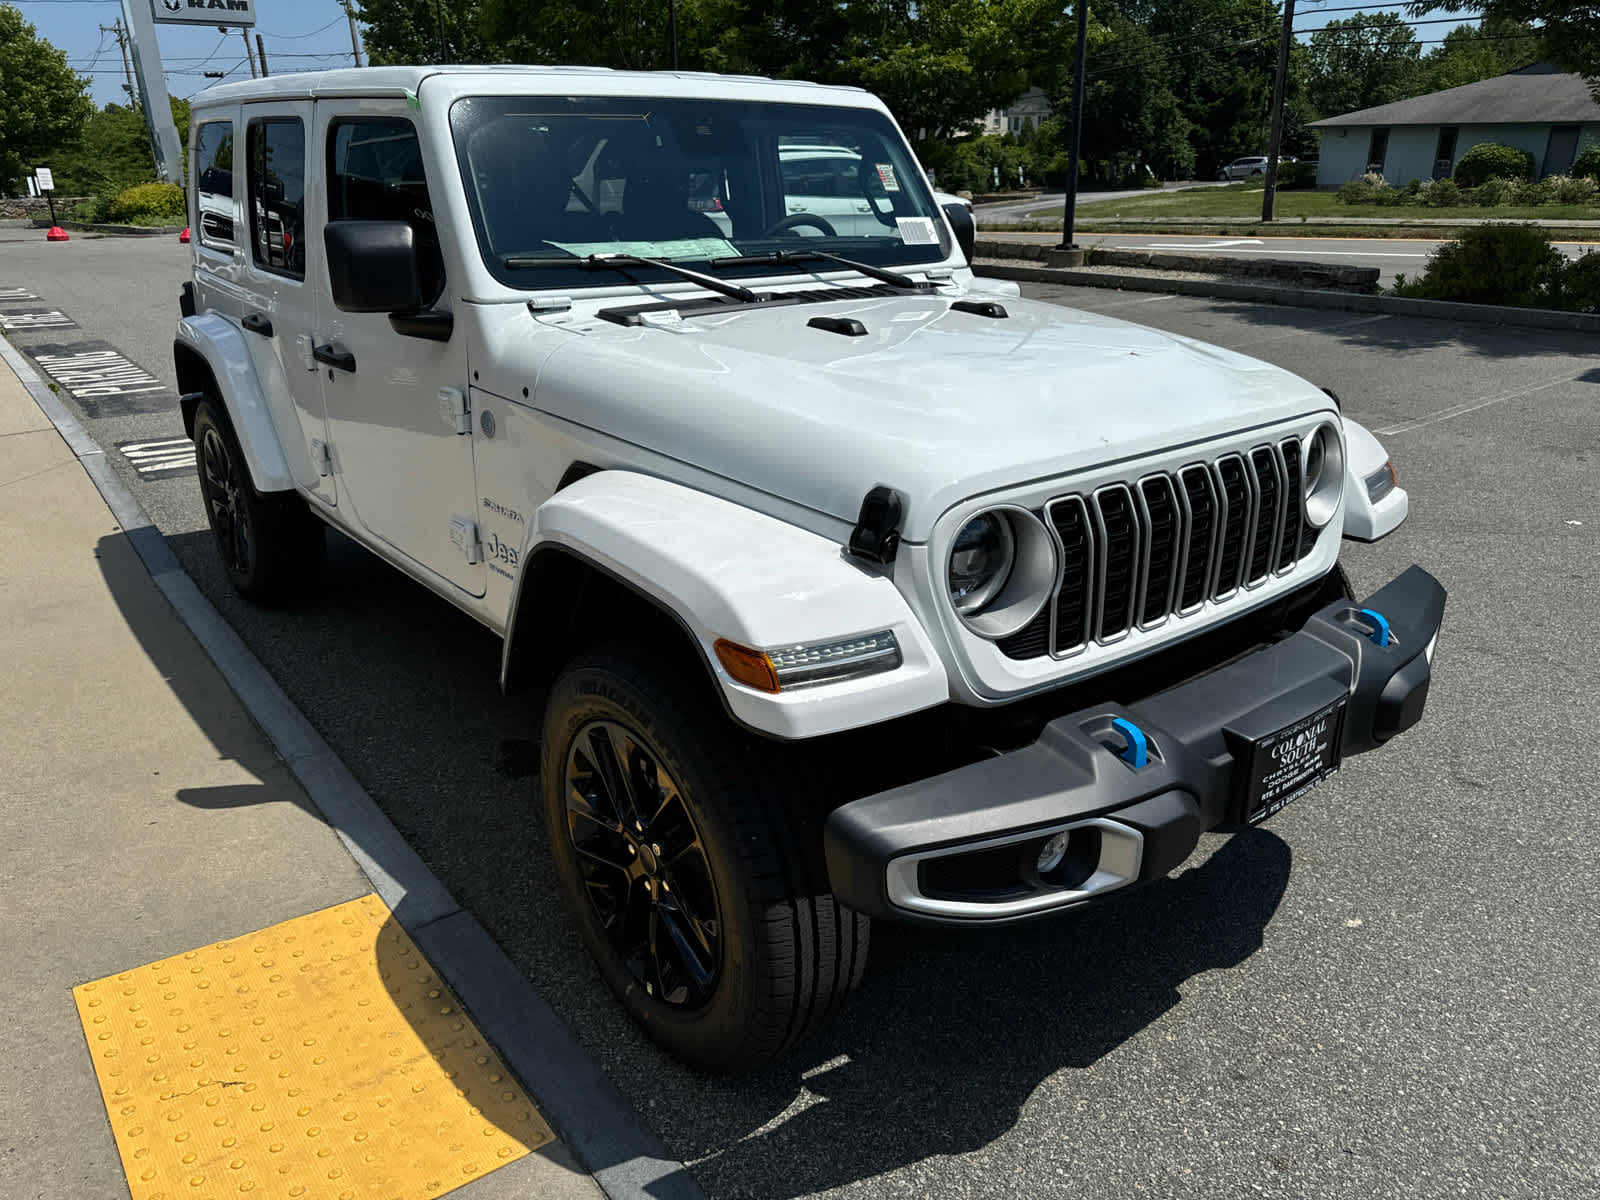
(203, 12)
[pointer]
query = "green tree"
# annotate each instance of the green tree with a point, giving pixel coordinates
(112, 153)
(423, 31)
(1473, 52)
(43, 104)
(1131, 117)
(1367, 60)
(1570, 32)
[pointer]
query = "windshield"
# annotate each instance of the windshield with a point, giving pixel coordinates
(687, 181)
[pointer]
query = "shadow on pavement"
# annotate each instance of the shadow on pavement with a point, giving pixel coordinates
(951, 1033)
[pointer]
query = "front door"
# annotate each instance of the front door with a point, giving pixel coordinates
(1444, 153)
(404, 465)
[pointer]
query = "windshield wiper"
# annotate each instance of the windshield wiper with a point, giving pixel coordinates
(602, 262)
(800, 256)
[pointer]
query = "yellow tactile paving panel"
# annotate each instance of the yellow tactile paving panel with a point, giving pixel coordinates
(320, 1058)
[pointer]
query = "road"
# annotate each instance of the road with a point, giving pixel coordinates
(1391, 256)
(1388, 991)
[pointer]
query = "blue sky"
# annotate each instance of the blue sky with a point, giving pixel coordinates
(299, 35)
(312, 34)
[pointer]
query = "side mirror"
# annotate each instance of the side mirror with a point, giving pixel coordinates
(966, 229)
(372, 266)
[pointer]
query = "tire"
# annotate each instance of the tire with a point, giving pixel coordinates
(1222, 177)
(271, 546)
(777, 956)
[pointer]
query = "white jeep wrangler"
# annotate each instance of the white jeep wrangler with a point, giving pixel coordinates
(858, 587)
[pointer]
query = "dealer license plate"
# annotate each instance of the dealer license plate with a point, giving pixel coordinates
(1287, 764)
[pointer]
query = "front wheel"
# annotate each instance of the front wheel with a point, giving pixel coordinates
(696, 883)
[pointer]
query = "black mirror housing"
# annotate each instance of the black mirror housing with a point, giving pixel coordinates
(966, 229)
(372, 266)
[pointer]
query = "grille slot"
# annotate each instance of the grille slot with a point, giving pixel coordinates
(1135, 555)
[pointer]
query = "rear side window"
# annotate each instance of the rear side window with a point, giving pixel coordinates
(375, 173)
(213, 176)
(275, 157)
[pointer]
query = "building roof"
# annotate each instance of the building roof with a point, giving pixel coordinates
(1536, 95)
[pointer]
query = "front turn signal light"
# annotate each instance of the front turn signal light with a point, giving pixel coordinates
(749, 667)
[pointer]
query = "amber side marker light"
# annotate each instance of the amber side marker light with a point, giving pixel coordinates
(750, 667)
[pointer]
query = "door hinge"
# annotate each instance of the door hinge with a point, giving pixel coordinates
(321, 458)
(455, 409)
(464, 534)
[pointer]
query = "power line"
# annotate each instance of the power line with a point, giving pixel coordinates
(297, 37)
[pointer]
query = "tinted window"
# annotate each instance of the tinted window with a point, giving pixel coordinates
(275, 153)
(213, 176)
(375, 174)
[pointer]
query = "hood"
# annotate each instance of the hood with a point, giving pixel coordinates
(939, 404)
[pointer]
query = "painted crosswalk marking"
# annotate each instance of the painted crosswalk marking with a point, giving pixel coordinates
(98, 373)
(18, 322)
(10, 293)
(159, 460)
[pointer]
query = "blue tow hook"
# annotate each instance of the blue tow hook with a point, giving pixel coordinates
(1380, 633)
(1137, 752)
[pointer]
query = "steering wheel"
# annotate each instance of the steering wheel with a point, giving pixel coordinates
(796, 219)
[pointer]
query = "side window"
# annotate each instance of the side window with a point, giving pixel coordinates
(213, 176)
(275, 157)
(375, 174)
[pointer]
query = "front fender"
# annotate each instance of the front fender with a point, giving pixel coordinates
(1365, 519)
(725, 571)
(223, 349)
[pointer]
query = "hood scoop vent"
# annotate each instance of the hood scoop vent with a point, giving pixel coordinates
(848, 326)
(699, 305)
(981, 308)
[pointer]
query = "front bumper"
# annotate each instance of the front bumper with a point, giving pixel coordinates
(962, 848)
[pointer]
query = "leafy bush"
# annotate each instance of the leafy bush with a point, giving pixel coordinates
(1587, 164)
(1580, 284)
(1490, 160)
(1568, 189)
(1389, 197)
(1499, 191)
(147, 204)
(1297, 176)
(1493, 264)
(1440, 193)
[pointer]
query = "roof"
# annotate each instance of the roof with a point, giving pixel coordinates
(395, 81)
(1535, 95)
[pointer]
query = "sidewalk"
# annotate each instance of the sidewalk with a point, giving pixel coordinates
(147, 818)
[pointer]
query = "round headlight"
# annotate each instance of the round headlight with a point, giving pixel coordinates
(1323, 475)
(1001, 571)
(980, 561)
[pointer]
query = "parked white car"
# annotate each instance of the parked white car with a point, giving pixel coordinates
(1252, 167)
(856, 587)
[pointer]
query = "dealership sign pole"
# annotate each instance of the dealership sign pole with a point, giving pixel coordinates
(142, 16)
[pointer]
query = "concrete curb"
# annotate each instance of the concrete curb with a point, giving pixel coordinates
(115, 230)
(1288, 271)
(590, 1115)
(1399, 306)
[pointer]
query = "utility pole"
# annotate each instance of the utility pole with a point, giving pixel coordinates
(1279, 86)
(261, 49)
(672, 30)
(127, 67)
(355, 44)
(249, 56)
(1069, 218)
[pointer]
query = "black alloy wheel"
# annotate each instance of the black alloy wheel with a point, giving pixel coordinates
(643, 864)
(230, 518)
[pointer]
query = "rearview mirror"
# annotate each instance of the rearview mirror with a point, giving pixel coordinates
(966, 229)
(372, 266)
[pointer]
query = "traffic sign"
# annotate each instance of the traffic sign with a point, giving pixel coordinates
(47, 181)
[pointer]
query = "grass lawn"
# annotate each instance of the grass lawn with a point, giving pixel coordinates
(1243, 200)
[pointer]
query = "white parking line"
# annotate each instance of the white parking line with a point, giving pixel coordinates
(16, 293)
(23, 321)
(1461, 410)
(156, 460)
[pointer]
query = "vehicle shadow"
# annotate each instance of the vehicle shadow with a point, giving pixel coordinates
(939, 1053)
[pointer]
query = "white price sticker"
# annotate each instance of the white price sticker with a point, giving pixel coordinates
(917, 231)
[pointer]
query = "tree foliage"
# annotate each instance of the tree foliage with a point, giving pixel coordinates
(112, 153)
(1569, 32)
(1366, 60)
(43, 104)
(1473, 52)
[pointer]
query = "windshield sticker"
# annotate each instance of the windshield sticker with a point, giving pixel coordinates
(917, 231)
(694, 249)
(886, 177)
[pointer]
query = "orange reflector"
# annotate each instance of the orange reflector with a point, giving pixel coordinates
(750, 667)
(1394, 476)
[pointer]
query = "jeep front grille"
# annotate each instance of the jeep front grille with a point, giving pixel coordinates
(1135, 555)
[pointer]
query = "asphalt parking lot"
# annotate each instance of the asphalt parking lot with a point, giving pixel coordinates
(1387, 991)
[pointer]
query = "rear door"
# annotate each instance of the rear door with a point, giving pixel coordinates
(404, 460)
(279, 281)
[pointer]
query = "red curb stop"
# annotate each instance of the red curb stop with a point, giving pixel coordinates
(184, 235)
(56, 234)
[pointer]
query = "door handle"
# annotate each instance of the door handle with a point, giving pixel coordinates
(334, 355)
(256, 323)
